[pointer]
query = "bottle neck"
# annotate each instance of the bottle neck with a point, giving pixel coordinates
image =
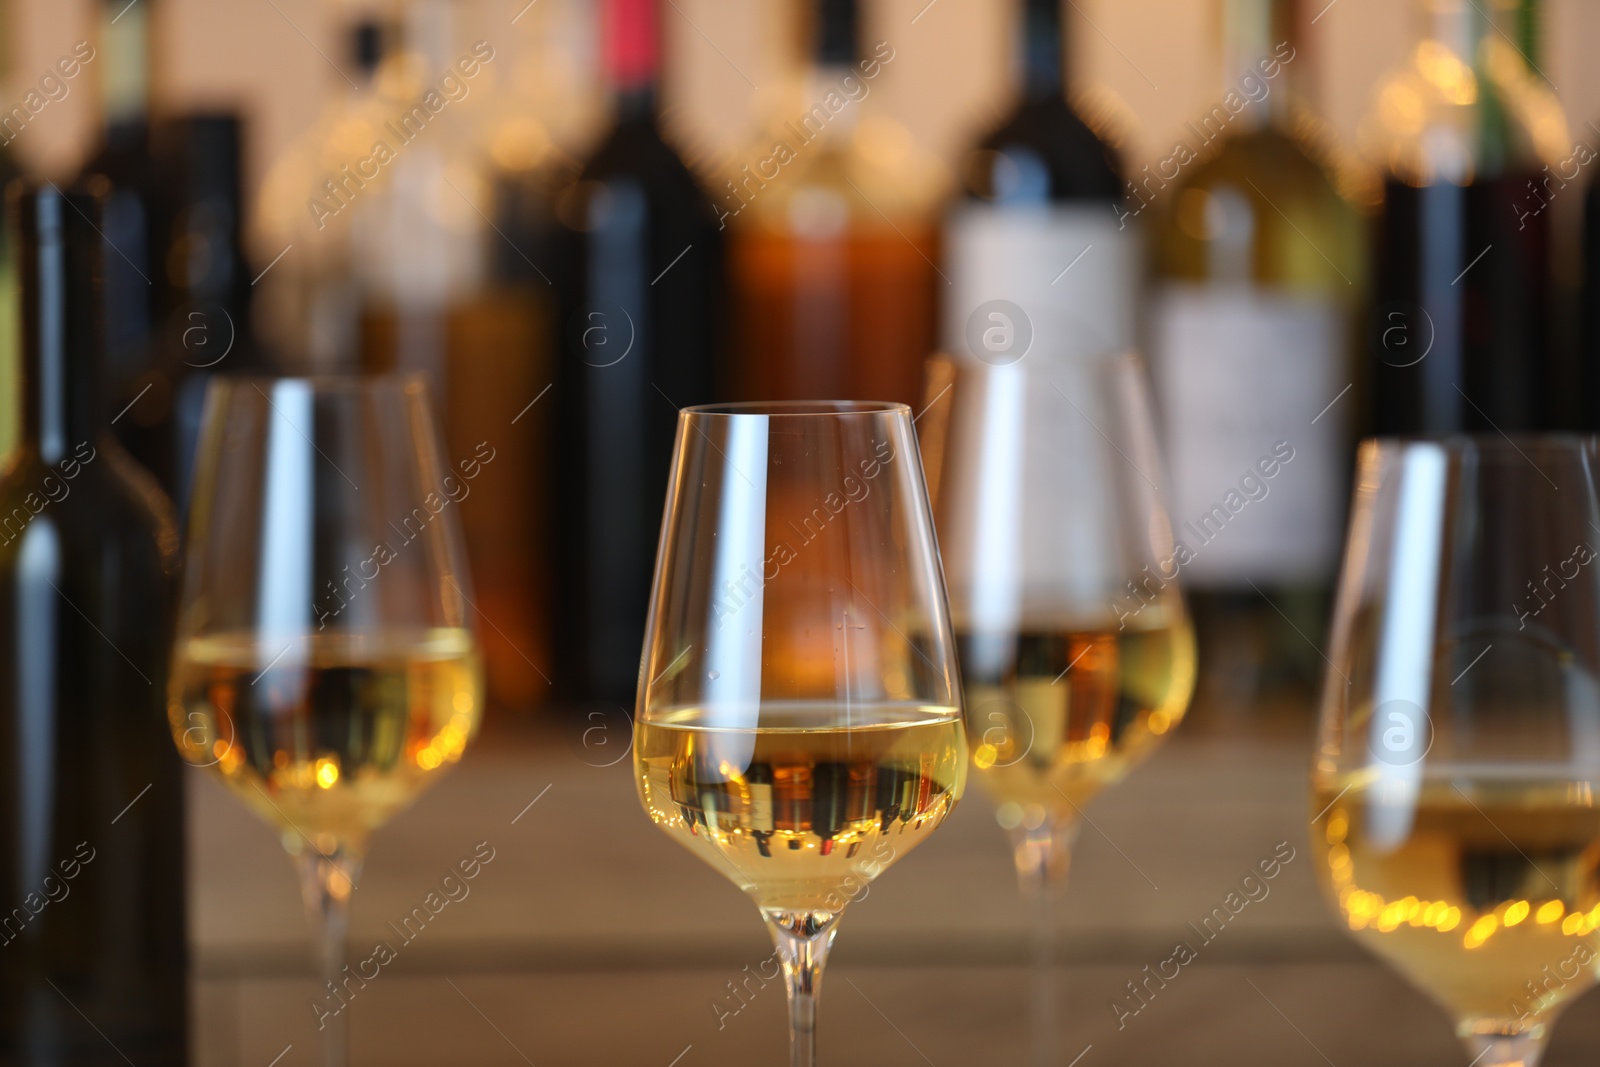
(1527, 30)
(1261, 37)
(124, 64)
(631, 34)
(62, 321)
(1043, 45)
(1459, 25)
(837, 41)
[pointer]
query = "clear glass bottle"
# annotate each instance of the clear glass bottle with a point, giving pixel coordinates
(832, 243)
(394, 262)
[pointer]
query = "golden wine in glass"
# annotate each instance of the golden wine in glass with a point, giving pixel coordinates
(799, 724)
(1455, 826)
(325, 667)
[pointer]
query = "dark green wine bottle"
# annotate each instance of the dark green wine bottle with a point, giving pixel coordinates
(92, 957)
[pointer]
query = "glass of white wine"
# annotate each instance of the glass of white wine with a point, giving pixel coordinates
(799, 723)
(325, 667)
(1076, 650)
(1455, 823)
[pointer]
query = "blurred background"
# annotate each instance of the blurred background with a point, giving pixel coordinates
(494, 246)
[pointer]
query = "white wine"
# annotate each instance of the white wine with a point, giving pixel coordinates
(1483, 896)
(802, 818)
(333, 734)
(1057, 717)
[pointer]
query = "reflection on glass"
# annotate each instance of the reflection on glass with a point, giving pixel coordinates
(799, 727)
(325, 666)
(1455, 825)
(1076, 651)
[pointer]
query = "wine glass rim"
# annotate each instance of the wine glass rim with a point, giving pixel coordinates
(799, 407)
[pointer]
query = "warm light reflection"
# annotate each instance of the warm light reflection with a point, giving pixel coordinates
(327, 772)
(1363, 908)
(1447, 73)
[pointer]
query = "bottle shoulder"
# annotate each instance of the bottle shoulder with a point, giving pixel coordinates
(98, 493)
(1440, 117)
(1043, 151)
(867, 176)
(1265, 162)
(1261, 207)
(635, 152)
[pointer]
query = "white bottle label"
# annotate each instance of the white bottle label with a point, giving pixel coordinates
(1038, 299)
(1072, 270)
(1239, 370)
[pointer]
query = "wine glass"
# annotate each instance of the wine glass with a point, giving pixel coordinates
(799, 724)
(1455, 825)
(325, 667)
(1076, 650)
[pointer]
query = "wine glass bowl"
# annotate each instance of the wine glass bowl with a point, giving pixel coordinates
(1076, 650)
(325, 667)
(1455, 826)
(799, 724)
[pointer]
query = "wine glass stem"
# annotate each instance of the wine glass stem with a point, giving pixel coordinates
(1041, 854)
(326, 881)
(803, 940)
(1504, 1050)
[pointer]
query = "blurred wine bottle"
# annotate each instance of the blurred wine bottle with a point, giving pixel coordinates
(200, 291)
(1042, 193)
(1043, 258)
(832, 241)
(10, 396)
(308, 307)
(92, 954)
(124, 66)
(1254, 341)
(385, 211)
(642, 269)
(1459, 330)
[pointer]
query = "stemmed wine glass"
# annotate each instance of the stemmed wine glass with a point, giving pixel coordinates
(1455, 825)
(799, 723)
(325, 667)
(1076, 650)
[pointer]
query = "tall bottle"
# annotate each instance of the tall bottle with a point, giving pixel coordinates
(382, 214)
(1043, 254)
(1462, 270)
(124, 67)
(1039, 191)
(91, 819)
(832, 244)
(201, 289)
(643, 269)
(1253, 341)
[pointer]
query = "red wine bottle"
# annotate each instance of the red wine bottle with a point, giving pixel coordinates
(1459, 330)
(92, 958)
(639, 321)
